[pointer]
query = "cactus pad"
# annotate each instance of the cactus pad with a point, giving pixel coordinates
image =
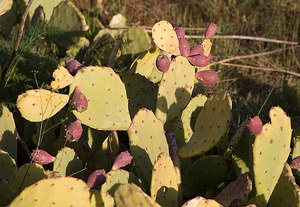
(147, 140)
(128, 195)
(206, 44)
(107, 99)
(286, 192)
(175, 89)
(155, 75)
(27, 175)
(7, 166)
(62, 78)
(101, 199)
(270, 151)
(40, 104)
(47, 5)
(6, 192)
(64, 191)
(164, 36)
(164, 189)
(209, 127)
(200, 201)
(8, 132)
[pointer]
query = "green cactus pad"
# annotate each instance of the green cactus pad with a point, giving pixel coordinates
(175, 89)
(200, 201)
(164, 189)
(145, 64)
(64, 191)
(206, 44)
(48, 6)
(156, 75)
(67, 163)
(147, 140)
(107, 99)
(210, 126)
(7, 193)
(101, 199)
(237, 190)
(69, 19)
(40, 104)
(128, 195)
(8, 132)
(185, 130)
(135, 40)
(140, 91)
(296, 149)
(286, 192)
(270, 151)
(27, 175)
(7, 166)
(205, 173)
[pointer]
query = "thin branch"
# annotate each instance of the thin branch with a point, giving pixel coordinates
(253, 55)
(14, 52)
(263, 69)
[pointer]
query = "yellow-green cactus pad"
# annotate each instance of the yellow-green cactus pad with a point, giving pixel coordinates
(156, 75)
(206, 44)
(5, 5)
(175, 89)
(27, 175)
(40, 104)
(270, 151)
(48, 6)
(201, 202)
(64, 191)
(164, 189)
(8, 166)
(7, 193)
(128, 195)
(101, 199)
(62, 78)
(164, 36)
(113, 180)
(107, 99)
(210, 126)
(8, 132)
(286, 192)
(145, 64)
(147, 140)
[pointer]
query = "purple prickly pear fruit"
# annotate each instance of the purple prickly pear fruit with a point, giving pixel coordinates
(198, 60)
(79, 101)
(73, 66)
(207, 77)
(184, 47)
(210, 31)
(74, 131)
(123, 159)
(96, 179)
(42, 157)
(180, 32)
(255, 125)
(68, 59)
(295, 163)
(196, 50)
(209, 58)
(163, 63)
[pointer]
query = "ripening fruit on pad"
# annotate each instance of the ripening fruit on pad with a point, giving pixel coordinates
(42, 157)
(63, 191)
(163, 63)
(39, 104)
(211, 30)
(164, 36)
(255, 125)
(180, 32)
(107, 99)
(207, 77)
(62, 78)
(184, 47)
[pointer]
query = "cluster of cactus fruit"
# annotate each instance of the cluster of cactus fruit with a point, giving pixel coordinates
(176, 152)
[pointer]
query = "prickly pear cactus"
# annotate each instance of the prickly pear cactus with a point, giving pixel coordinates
(268, 165)
(164, 36)
(175, 89)
(156, 75)
(64, 191)
(47, 5)
(101, 199)
(184, 131)
(27, 175)
(164, 189)
(209, 127)
(8, 132)
(145, 64)
(40, 104)
(107, 99)
(67, 163)
(147, 140)
(7, 193)
(131, 195)
(212, 169)
(140, 91)
(286, 192)
(71, 21)
(8, 166)
(200, 201)
(135, 40)
(62, 78)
